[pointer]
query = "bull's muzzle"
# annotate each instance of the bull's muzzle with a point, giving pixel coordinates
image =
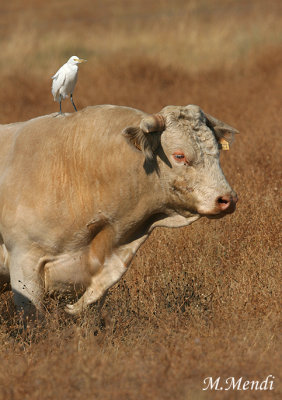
(226, 204)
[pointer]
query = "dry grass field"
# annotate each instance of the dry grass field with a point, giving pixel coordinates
(198, 301)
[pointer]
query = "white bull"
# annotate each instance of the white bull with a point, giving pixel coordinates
(81, 192)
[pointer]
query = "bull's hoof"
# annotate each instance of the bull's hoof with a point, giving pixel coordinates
(72, 309)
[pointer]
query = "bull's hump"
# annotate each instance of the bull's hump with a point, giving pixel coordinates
(86, 112)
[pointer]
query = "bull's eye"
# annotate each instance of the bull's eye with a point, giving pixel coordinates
(179, 157)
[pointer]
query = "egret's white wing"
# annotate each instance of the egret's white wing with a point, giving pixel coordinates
(58, 81)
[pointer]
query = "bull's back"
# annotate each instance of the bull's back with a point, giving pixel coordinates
(7, 135)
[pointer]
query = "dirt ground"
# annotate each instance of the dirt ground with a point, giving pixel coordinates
(197, 302)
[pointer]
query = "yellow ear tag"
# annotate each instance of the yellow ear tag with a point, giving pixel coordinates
(224, 145)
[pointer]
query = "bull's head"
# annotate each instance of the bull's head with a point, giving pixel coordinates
(190, 141)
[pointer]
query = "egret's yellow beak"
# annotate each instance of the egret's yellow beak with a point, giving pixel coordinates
(81, 60)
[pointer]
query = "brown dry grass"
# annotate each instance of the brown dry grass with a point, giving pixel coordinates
(199, 301)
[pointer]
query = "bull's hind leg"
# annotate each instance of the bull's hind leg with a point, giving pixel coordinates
(26, 282)
(112, 270)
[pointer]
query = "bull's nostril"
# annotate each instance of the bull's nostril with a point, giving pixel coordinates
(223, 202)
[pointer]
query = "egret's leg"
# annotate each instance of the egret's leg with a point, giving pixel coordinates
(73, 102)
(60, 105)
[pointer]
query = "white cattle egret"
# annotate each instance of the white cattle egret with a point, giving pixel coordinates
(65, 79)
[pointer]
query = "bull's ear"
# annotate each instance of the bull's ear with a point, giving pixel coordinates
(224, 132)
(146, 137)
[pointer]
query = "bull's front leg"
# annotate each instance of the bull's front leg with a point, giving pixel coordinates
(117, 261)
(77, 268)
(114, 266)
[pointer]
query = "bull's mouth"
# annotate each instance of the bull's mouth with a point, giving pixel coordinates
(220, 214)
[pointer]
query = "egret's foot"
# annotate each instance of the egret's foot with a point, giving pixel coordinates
(59, 113)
